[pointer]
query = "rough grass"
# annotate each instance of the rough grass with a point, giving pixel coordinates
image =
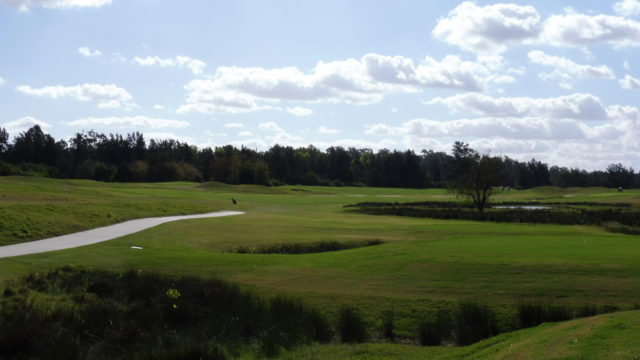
(74, 313)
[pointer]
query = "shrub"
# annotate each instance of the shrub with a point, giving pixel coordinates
(73, 312)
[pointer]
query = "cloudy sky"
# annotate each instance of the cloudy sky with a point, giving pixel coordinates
(554, 80)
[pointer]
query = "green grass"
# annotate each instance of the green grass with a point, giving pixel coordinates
(34, 208)
(423, 265)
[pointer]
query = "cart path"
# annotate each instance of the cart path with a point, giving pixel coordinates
(99, 234)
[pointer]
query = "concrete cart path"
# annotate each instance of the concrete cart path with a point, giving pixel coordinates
(98, 234)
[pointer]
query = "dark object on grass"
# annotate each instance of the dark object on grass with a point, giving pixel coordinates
(234, 201)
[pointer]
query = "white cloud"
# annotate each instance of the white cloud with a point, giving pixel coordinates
(269, 126)
(574, 106)
(234, 125)
(492, 29)
(25, 5)
(196, 66)
(23, 124)
(578, 30)
(107, 96)
(2, 80)
(629, 82)
(158, 107)
(245, 133)
(129, 122)
(626, 65)
(87, 52)
(326, 130)
(364, 81)
(488, 29)
(299, 111)
(627, 7)
(512, 128)
(565, 70)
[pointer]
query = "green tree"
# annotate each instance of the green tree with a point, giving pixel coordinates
(478, 175)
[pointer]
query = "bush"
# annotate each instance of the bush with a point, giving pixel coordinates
(311, 178)
(352, 327)
(72, 312)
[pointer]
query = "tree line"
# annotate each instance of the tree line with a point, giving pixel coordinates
(130, 158)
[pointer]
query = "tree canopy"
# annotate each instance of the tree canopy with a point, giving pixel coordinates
(130, 157)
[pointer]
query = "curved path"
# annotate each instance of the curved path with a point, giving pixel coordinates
(98, 234)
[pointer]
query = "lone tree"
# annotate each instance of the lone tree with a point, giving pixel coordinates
(477, 175)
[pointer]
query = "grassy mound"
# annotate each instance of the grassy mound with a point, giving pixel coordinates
(610, 336)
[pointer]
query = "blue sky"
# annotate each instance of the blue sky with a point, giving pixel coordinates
(554, 80)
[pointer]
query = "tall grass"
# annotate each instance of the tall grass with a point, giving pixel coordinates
(352, 326)
(72, 313)
(305, 248)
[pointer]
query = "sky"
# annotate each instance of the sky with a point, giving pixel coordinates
(558, 81)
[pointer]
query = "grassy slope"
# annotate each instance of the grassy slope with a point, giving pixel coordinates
(610, 336)
(423, 265)
(34, 208)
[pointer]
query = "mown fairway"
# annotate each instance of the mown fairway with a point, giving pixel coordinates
(423, 265)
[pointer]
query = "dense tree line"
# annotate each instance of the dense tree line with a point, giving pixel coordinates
(114, 157)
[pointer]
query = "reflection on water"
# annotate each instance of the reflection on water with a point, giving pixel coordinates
(524, 207)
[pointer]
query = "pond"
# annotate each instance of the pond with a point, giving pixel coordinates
(524, 207)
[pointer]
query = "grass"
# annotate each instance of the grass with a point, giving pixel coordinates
(423, 266)
(610, 336)
(33, 208)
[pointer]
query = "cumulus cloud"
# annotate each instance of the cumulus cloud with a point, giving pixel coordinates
(488, 29)
(245, 133)
(511, 128)
(326, 130)
(492, 29)
(299, 111)
(234, 125)
(574, 106)
(26, 5)
(363, 81)
(627, 7)
(629, 82)
(565, 70)
(107, 96)
(196, 66)
(269, 126)
(87, 52)
(129, 122)
(578, 30)
(2, 80)
(23, 124)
